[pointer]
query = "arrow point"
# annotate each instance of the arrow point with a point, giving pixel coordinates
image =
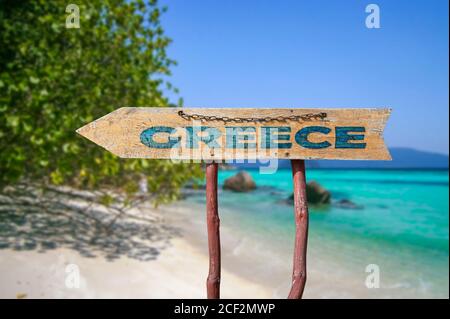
(82, 130)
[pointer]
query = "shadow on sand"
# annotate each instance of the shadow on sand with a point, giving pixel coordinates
(30, 220)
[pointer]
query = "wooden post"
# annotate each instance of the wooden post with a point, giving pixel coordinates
(301, 229)
(213, 224)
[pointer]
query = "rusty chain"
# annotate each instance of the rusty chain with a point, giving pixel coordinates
(226, 119)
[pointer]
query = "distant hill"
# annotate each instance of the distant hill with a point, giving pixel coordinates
(402, 158)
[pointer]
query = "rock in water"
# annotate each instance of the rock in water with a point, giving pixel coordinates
(241, 182)
(316, 194)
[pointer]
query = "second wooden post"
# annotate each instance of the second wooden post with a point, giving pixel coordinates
(213, 225)
(301, 229)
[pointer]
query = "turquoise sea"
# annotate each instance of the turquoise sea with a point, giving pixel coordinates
(402, 227)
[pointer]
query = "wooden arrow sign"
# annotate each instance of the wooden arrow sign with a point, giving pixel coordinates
(217, 134)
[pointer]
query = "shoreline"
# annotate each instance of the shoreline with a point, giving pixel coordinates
(163, 254)
(179, 269)
(335, 269)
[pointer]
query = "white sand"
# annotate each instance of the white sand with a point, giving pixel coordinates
(249, 270)
(179, 272)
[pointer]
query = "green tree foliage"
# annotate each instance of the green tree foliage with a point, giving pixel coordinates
(54, 80)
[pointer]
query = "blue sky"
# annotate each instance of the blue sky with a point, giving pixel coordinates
(319, 53)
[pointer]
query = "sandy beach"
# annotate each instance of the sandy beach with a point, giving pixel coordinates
(177, 267)
(162, 253)
(179, 270)
(178, 273)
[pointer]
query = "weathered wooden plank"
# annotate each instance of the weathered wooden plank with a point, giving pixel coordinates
(165, 133)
